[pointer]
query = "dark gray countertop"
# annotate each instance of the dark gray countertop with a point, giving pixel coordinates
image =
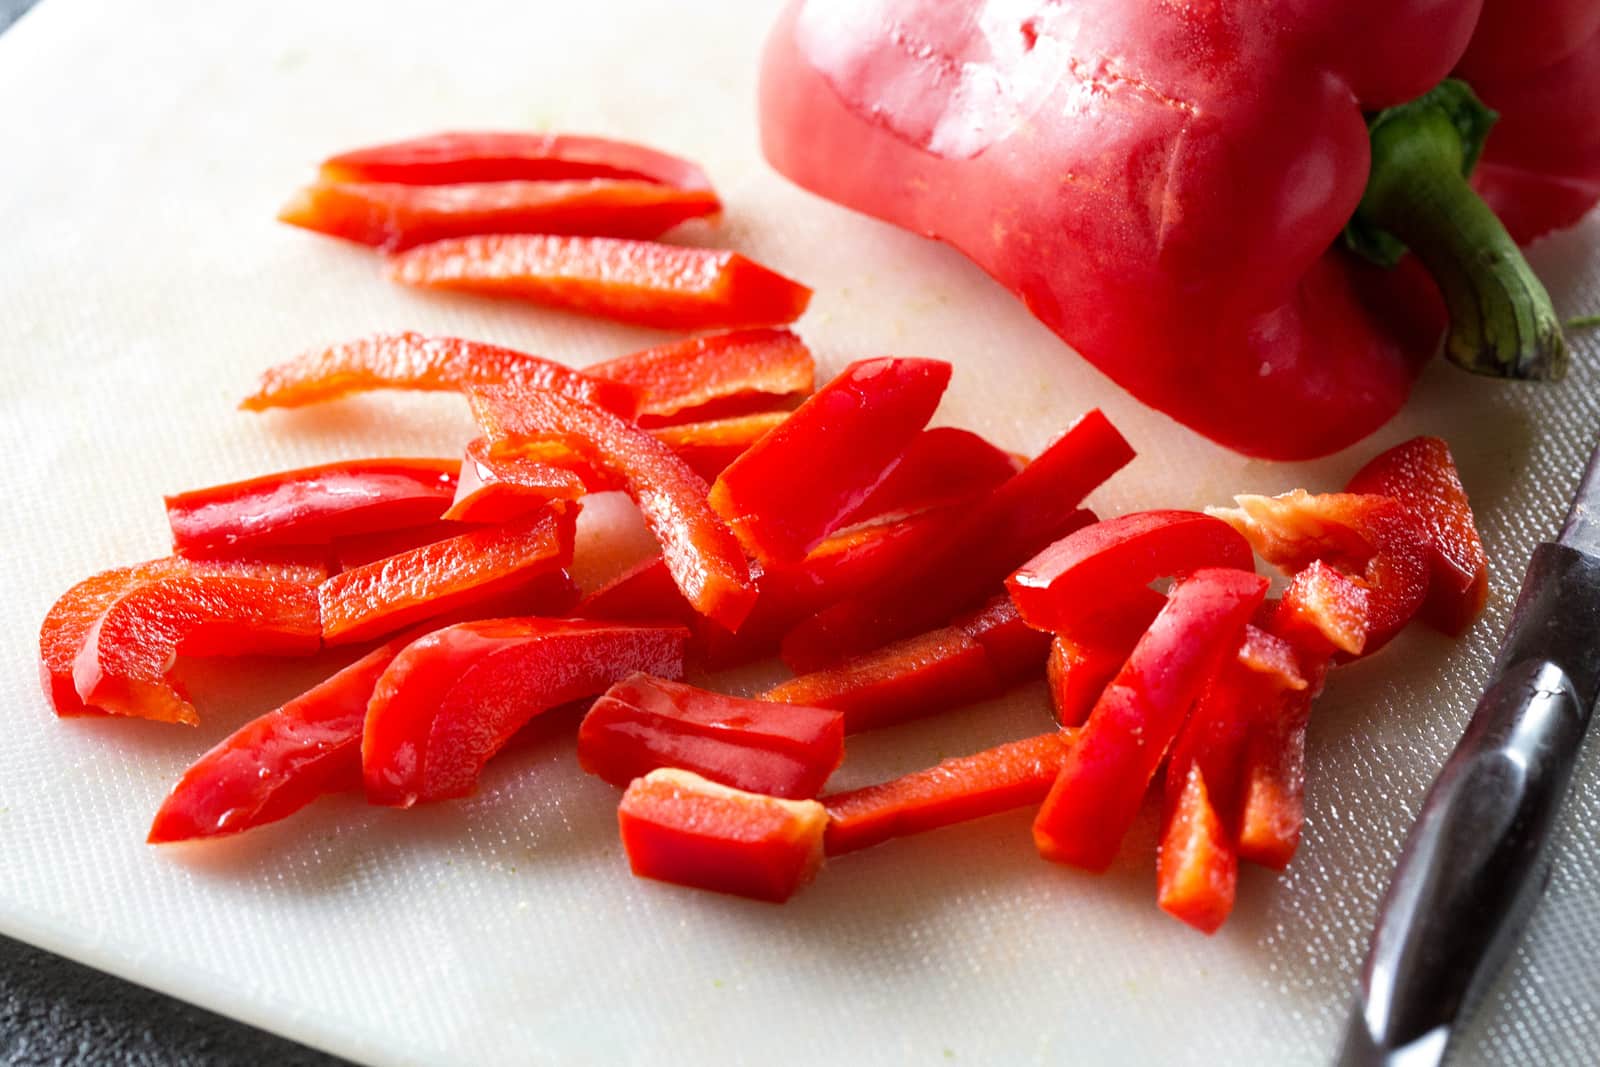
(54, 1011)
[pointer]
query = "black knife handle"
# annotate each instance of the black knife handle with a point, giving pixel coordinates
(1474, 864)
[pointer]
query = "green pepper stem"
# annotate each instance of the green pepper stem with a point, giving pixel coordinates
(1501, 319)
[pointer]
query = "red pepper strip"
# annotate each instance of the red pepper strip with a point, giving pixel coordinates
(644, 592)
(71, 617)
(275, 765)
(1375, 537)
(1097, 795)
(715, 376)
(1421, 474)
(360, 549)
(391, 217)
(312, 505)
(498, 488)
(1198, 869)
(708, 447)
(1272, 806)
(794, 487)
(941, 466)
(1013, 775)
(439, 364)
(383, 596)
(677, 827)
(980, 657)
(640, 282)
(994, 537)
(1323, 612)
(123, 664)
(1090, 574)
(642, 723)
(445, 158)
(454, 697)
(701, 552)
(1079, 668)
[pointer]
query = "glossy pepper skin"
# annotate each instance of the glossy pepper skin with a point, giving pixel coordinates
(642, 723)
(794, 487)
(273, 766)
(452, 698)
(1540, 70)
(312, 505)
(679, 827)
(1159, 183)
(714, 376)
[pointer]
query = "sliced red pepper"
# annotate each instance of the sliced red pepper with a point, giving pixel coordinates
(473, 156)
(1091, 574)
(357, 550)
(312, 505)
(1375, 538)
(1421, 474)
(1272, 792)
(1097, 795)
(1323, 612)
(414, 361)
(1198, 870)
(640, 282)
(391, 216)
(993, 538)
(906, 680)
(644, 592)
(715, 376)
(642, 723)
(454, 697)
(275, 765)
(677, 827)
(1079, 668)
(978, 658)
(71, 617)
(794, 487)
(498, 488)
(708, 447)
(128, 651)
(941, 466)
(1013, 775)
(701, 552)
(385, 595)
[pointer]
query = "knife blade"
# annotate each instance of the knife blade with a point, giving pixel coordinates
(1476, 861)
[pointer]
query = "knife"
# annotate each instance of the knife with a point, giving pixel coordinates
(1476, 861)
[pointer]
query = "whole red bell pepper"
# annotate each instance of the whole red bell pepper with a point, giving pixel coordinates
(678, 827)
(792, 488)
(988, 540)
(1540, 70)
(642, 723)
(505, 156)
(1421, 474)
(1013, 775)
(276, 764)
(452, 698)
(669, 287)
(715, 376)
(391, 217)
(1164, 186)
(483, 563)
(413, 361)
(312, 505)
(701, 552)
(1105, 777)
(128, 652)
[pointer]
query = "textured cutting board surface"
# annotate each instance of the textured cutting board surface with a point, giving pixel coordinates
(144, 284)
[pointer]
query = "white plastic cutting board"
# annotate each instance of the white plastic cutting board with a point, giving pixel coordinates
(143, 282)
